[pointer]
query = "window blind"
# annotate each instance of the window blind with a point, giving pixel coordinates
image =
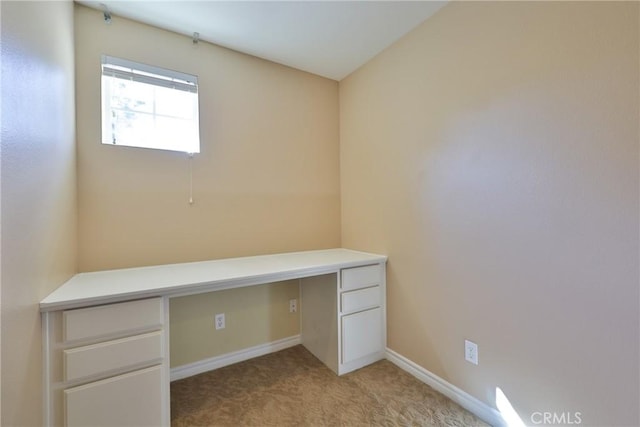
(134, 71)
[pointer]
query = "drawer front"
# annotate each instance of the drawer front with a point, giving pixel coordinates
(361, 334)
(113, 320)
(360, 300)
(360, 277)
(111, 356)
(133, 399)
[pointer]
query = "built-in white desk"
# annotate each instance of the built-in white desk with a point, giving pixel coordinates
(106, 334)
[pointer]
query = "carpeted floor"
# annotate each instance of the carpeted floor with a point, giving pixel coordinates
(293, 388)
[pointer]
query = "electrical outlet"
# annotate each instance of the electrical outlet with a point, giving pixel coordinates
(293, 305)
(220, 321)
(471, 352)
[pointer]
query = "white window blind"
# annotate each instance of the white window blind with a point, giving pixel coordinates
(149, 107)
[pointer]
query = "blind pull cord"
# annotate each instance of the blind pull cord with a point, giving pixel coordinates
(190, 179)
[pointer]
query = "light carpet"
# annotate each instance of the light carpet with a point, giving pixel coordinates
(293, 388)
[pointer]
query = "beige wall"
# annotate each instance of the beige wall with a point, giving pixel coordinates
(267, 177)
(38, 189)
(254, 316)
(266, 180)
(492, 153)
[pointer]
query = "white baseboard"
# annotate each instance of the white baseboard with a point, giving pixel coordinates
(184, 371)
(462, 398)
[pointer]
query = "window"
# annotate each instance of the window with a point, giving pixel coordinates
(149, 107)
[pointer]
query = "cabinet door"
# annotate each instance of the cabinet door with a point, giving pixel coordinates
(361, 334)
(133, 399)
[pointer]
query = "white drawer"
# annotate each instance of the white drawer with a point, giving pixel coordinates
(111, 356)
(360, 277)
(113, 320)
(360, 300)
(133, 399)
(362, 334)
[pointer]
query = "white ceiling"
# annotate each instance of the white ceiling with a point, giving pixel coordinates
(328, 38)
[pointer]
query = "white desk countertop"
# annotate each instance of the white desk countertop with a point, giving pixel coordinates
(109, 286)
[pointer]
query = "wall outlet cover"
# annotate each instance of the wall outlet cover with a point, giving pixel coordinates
(219, 321)
(471, 352)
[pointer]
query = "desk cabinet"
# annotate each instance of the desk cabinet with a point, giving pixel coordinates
(345, 325)
(108, 365)
(361, 315)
